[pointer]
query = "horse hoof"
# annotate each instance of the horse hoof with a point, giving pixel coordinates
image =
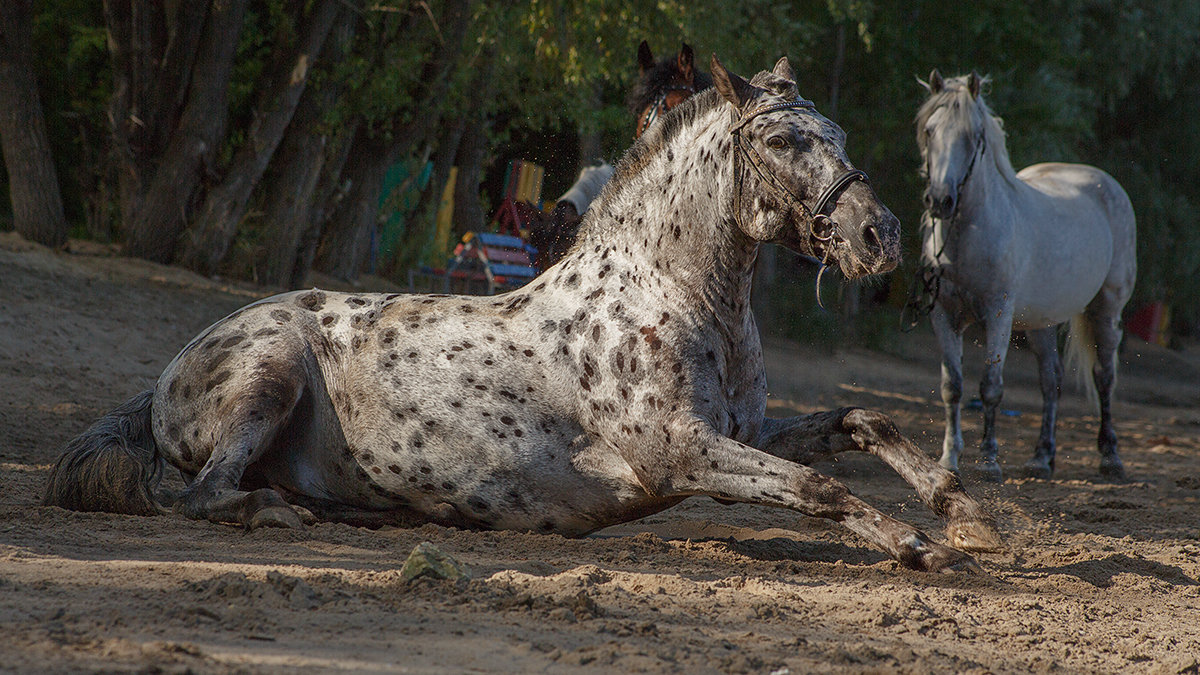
(967, 565)
(945, 559)
(988, 471)
(1036, 468)
(275, 516)
(975, 536)
(1113, 470)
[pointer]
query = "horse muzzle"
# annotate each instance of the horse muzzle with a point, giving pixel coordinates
(940, 202)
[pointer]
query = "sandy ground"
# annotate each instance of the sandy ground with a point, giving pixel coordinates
(1099, 577)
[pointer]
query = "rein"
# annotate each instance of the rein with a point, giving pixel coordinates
(930, 274)
(822, 228)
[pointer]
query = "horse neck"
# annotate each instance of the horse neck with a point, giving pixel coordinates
(672, 218)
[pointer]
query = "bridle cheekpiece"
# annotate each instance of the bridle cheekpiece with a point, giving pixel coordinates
(822, 228)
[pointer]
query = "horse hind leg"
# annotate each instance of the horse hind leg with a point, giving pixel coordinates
(1044, 343)
(1106, 332)
(248, 424)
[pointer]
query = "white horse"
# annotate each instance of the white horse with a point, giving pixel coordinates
(1020, 251)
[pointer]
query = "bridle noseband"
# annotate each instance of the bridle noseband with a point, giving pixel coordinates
(660, 106)
(822, 228)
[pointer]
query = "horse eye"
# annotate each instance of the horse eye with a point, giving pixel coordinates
(777, 142)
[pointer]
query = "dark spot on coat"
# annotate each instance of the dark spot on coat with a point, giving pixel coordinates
(281, 315)
(217, 379)
(312, 301)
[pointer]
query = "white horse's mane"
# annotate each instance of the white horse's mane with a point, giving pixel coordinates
(967, 113)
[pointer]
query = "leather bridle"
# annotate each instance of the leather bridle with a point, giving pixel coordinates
(660, 107)
(822, 228)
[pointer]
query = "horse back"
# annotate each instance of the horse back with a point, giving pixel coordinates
(1087, 199)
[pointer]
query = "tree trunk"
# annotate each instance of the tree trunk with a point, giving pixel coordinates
(162, 217)
(291, 183)
(152, 48)
(472, 149)
(345, 243)
(328, 195)
(346, 239)
(32, 180)
(213, 230)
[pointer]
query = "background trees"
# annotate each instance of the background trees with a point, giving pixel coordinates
(259, 138)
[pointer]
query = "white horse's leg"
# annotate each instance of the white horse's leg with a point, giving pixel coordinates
(998, 329)
(950, 340)
(1107, 330)
(1044, 343)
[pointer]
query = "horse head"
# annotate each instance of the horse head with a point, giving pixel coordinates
(950, 135)
(793, 183)
(663, 85)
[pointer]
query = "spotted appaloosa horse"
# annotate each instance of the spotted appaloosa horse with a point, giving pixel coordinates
(624, 379)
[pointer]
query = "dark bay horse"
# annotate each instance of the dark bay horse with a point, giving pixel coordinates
(661, 86)
(626, 378)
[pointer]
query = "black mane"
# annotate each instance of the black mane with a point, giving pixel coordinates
(652, 85)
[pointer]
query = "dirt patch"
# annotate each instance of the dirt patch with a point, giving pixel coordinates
(1099, 578)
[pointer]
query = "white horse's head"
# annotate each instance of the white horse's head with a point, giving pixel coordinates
(794, 184)
(951, 126)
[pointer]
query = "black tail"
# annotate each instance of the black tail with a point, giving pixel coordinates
(113, 466)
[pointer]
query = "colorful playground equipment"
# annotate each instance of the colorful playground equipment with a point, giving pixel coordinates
(486, 263)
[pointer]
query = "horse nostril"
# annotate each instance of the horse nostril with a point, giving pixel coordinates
(871, 239)
(928, 200)
(947, 204)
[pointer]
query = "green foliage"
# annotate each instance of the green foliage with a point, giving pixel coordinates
(1107, 82)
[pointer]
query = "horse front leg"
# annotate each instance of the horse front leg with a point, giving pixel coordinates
(702, 462)
(991, 390)
(949, 338)
(1044, 343)
(808, 437)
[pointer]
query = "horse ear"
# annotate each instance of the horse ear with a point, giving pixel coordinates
(974, 82)
(686, 62)
(935, 81)
(783, 68)
(731, 87)
(645, 58)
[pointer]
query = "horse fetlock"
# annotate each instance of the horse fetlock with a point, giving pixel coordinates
(871, 427)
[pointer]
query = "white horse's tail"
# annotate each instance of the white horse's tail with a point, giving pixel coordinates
(1081, 356)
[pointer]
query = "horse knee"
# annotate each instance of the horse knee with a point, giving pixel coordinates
(951, 387)
(991, 390)
(870, 427)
